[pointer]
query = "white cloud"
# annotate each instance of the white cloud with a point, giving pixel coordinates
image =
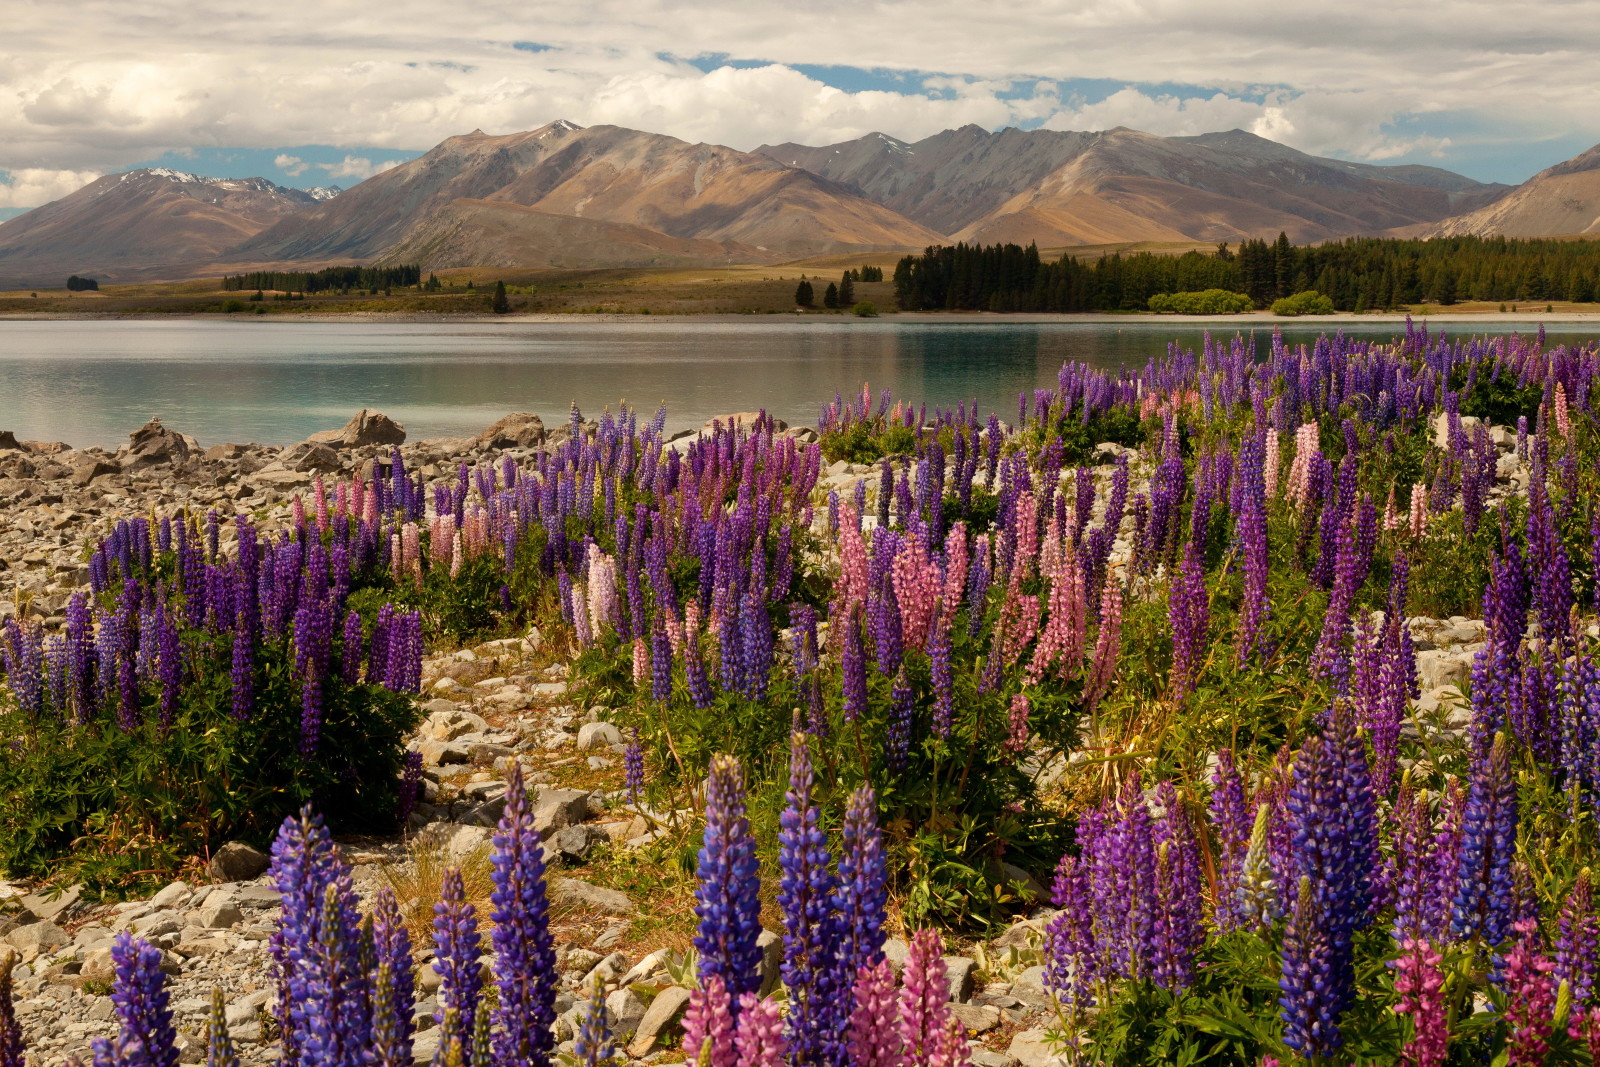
(358, 167)
(32, 186)
(102, 84)
(293, 166)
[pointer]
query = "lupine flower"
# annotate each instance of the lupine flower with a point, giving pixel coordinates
(811, 929)
(525, 963)
(854, 667)
(455, 937)
(393, 985)
(1189, 610)
(759, 1037)
(1532, 1000)
(861, 899)
(727, 902)
(219, 1045)
(1483, 902)
(139, 1000)
(1016, 741)
(593, 1045)
(874, 1036)
(12, 1052)
(924, 1000)
(1231, 823)
(1578, 946)
(1419, 985)
(633, 766)
(708, 1025)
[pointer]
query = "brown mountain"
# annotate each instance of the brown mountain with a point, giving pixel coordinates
(1561, 201)
(603, 174)
(141, 224)
(1060, 188)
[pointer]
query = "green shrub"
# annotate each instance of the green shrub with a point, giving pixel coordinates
(1309, 302)
(1202, 302)
(866, 309)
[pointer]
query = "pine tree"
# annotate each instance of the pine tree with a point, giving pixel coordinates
(803, 295)
(847, 290)
(830, 296)
(500, 305)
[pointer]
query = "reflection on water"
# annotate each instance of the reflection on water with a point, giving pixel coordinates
(91, 382)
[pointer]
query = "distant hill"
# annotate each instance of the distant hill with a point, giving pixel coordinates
(603, 174)
(142, 223)
(1063, 187)
(1560, 201)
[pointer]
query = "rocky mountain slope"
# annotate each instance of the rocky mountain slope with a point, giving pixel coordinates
(1560, 201)
(123, 227)
(1061, 188)
(603, 174)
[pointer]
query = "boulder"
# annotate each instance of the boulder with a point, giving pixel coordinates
(8, 440)
(558, 809)
(217, 453)
(36, 938)
(86, 469)
(664, 1018)
(627, 1009)
(977, 1018)
(598, 735)
(742, 418)
(310, 456)
(588, 895)
(237, 862)
(576, 842)
(1032, 1048)
(366, 427)
(961, 972)
(153, 444)
(50, 906)
(520, 429)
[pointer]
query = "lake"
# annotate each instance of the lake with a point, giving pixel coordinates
(90, 382)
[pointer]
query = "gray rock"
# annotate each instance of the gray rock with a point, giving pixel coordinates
(664, 1018)
(153, 444)
(1031, 1048)
(51, 906)
(220, 916)
(895, 950)
(977, 1018)
(961, 972)
(366, 427)
(576, 842)
(237, 862)
(520, 429)
(598, 735)
(308, 456)
(1029, 987)
(158, 924)
(589, 895)
(1439, 668)
(97, 966)
(627, 1008)
(771, 946)
(173, 895)
(424, 1045)
(258, 896)
(558, 809)
(485, 813)
(37, 937)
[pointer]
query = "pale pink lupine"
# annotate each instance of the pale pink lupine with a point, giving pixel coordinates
(441, 538)
(1419, 981)
(1027, 526)
(1017, 738)
(641, 662)
(457, 556)
(602, 591)
(758, 1036)
(297, 508)
(852, 588)
(1391, 516)
(874, 1035)
(950, 1047)
(708, 1027)
(675, 632)
(1025, 626)
(1563, 416)
(411, 546)
(955, 572)
(319, 496)
(916, 589)
(1306, 447)
(341, 499)
(924, 1001)
(1107, 644)
(1050, 550)
(1419, 508)
(1270, 458)
(579, 606)
(1061, 643)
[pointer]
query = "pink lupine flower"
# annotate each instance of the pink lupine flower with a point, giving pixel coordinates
(955, 572)
(319, 495)
(874, 1035)
(758, 1038)
(1306, 448)
(1017, 740)
(708, 1028)
(1103, 666)
(852, 561)
(1419, 508)
(1530, 1013)
(924, 1001)
(1270, 460)
(1419, 983)
(1061, 643)
(1563, 415)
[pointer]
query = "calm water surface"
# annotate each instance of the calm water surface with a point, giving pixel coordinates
(91, 382)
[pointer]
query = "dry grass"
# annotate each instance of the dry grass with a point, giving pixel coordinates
(416, 885)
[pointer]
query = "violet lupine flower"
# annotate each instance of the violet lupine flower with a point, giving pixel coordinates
(1419, 985)
(1231, 823)
(313, 639)
(1179, 933)
(811, 929)
(1314, 992)
(350, 650)
(455, 937)
(1578, 946)
(727, 903)
(1482, 906)
(393, 987)
(593, 1045)
(145, 1037)
(12, 1052)
(861, 899)
(874, 1032)
(708, 1025)
(883, 623)
(924, 999)
(1189, 609)
(660, 662)
(633, 766)
(943, 679)
(410, 788)
(1072, 953)
(1532, 1000)
(853, 666)
(525, 960)
(897, 735)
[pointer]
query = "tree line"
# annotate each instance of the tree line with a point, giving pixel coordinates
(840, 294)
(1357, 274)
(329, 278)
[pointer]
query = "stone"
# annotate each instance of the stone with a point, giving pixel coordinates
(173, 895)
(961, 971)
(237, 862)
(895, 950)
(153, 444)
(424, 1046)
(50, 906)
(664, 1018)
(1028, 987)
(157, 924)
(8, 441)
(588, 895)
(771, 946)
(627, 1008)
(1033, 892)
(36, 938)
(976, 1018)
(88, 468)
(1032, 1048)
(576, 842)
(1019, 935)
(97, 966)
(520, 429)
(558, 809)
(485, 813)
(1441, 428)
(309, 456)
(366, 427)
(246, 1008)
(220, 916)
(742, 418)
(1437, 668)
(598, 735)
(258, 896)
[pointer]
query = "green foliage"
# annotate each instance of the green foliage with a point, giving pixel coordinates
(328, 278)
(1309, 302)
(804, 295)
(1204, 302)
(865, 309)
(498, 303)
(230, 307)
(864, 442)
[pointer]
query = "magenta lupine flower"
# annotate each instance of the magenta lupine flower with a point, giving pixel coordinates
(874, 1034)
(1189, 610)
(1532, 999)
(1419, 985)
(758, 1039)
(924, 1000)
(708, 1026)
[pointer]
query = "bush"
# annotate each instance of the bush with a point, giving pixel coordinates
(866, 309)
(1309, 302)
(1203, 302)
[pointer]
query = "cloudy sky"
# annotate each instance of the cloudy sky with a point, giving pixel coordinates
(330, 92)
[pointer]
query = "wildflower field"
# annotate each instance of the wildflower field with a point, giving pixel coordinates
(1166, 647)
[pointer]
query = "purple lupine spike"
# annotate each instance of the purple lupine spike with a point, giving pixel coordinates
(897, 738)
(139, 999)
(410, 788)
(811, 929)
(1072, 955)
(1231, 822)
(862, 898)
(1578, 946)
(1189, 610)
(242, 679)
(350, 650)
(853, 664)
(392, 994)
(525, 962)
(1179, 933)
(941, 674)
(313, 640)
(455, 937)
(727, 902)
(1483, 903)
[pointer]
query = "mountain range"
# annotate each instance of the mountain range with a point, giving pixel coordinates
(570, 196)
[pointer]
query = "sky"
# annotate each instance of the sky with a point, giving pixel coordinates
(331, 92)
